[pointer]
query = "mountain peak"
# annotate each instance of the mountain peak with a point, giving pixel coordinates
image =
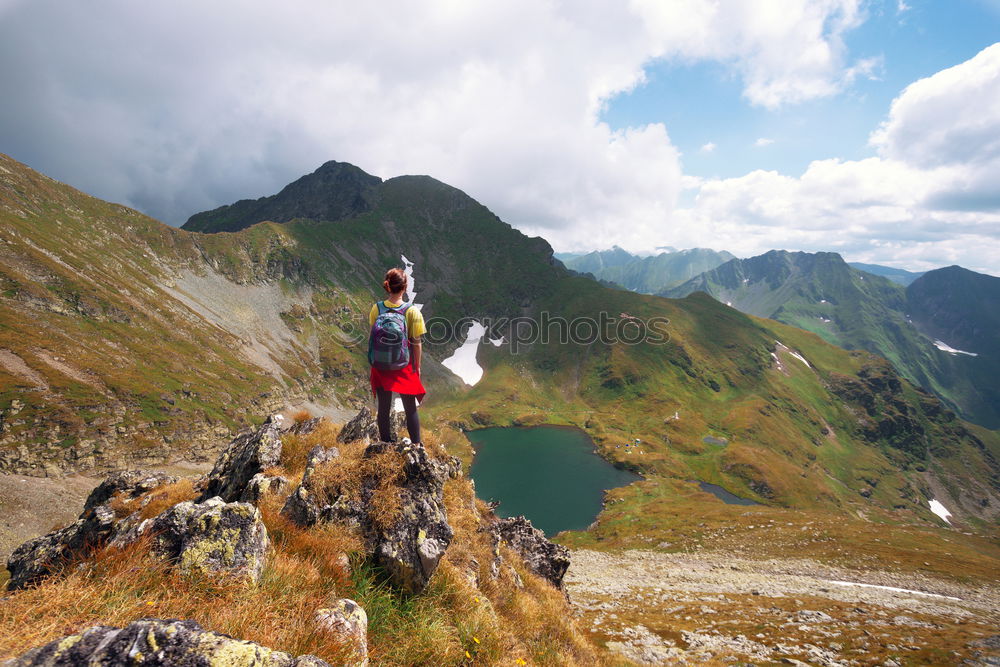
(336, 190)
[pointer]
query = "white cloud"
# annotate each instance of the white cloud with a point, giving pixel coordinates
(762, 142)
(929, 199)
(708, 148)
(952, 117)
(182, 106)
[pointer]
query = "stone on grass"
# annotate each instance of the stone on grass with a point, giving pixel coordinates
(248, 454)
(98, 524)
(157, 643)
(348, 622)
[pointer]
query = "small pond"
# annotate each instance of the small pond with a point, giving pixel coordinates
(550, 474)
(723, 495)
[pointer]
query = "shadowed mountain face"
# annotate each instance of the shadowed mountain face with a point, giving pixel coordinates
(854, 309)
(646, 275)
(335, 191)
(959, 307)
(111, 319)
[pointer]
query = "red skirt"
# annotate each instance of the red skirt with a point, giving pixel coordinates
(403, 381)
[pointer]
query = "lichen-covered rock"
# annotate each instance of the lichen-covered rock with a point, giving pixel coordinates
(213, 536)
(305, 426)
(157, 643)
(128, 483)
(41, 556)
(348, 622)
(546, 559)
(361, 427)
(303, 506)
(411, 548)
(248, 454)
(261, 485)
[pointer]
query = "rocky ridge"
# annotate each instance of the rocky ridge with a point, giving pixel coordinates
(220, 532)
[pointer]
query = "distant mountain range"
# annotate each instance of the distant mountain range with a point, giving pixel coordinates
(646, 275)
(901, 276)
(942, 330)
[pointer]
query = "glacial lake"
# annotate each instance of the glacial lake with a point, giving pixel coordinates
(723, 495)
(550, 474)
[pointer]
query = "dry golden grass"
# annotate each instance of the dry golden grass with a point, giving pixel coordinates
(155, 501)
(295, 448)
(301, 415)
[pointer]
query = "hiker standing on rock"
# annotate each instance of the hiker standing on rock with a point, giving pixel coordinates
(394, 354)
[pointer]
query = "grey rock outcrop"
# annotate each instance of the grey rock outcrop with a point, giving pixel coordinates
(128, 483)
(364, 427)
(213, 536)
(97, 524)
(248, 454)
(361, 426)
(546, 559)
(348, 622)
(410, 549)
(157, 643)
(42, 556)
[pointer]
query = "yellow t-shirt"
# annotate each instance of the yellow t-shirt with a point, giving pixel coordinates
(414, 320)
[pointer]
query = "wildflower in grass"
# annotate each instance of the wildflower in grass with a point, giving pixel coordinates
(468, 655)
(476, 639)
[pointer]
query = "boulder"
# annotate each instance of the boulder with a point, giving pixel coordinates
(546, 559)
(364, 427)
(213, 536)
(261, 485)
(361, 427)
(348, 623)
(305, 426)
(156, 643)
(247, 455)
(411, 548)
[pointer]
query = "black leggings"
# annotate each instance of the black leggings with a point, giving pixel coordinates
(409, 406)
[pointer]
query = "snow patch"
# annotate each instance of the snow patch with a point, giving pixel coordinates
(410, 294)
(496, 342)
(463, 362)
(890, 588)
(944, 347)
(940, 510)
(793, 353)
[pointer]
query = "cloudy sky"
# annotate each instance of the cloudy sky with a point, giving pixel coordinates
(871, 128)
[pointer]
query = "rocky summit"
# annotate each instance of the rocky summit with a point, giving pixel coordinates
(208, 539)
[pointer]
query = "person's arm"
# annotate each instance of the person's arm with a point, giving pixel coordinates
(417, 347)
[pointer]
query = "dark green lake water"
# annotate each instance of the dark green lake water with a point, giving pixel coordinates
(550, 474)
